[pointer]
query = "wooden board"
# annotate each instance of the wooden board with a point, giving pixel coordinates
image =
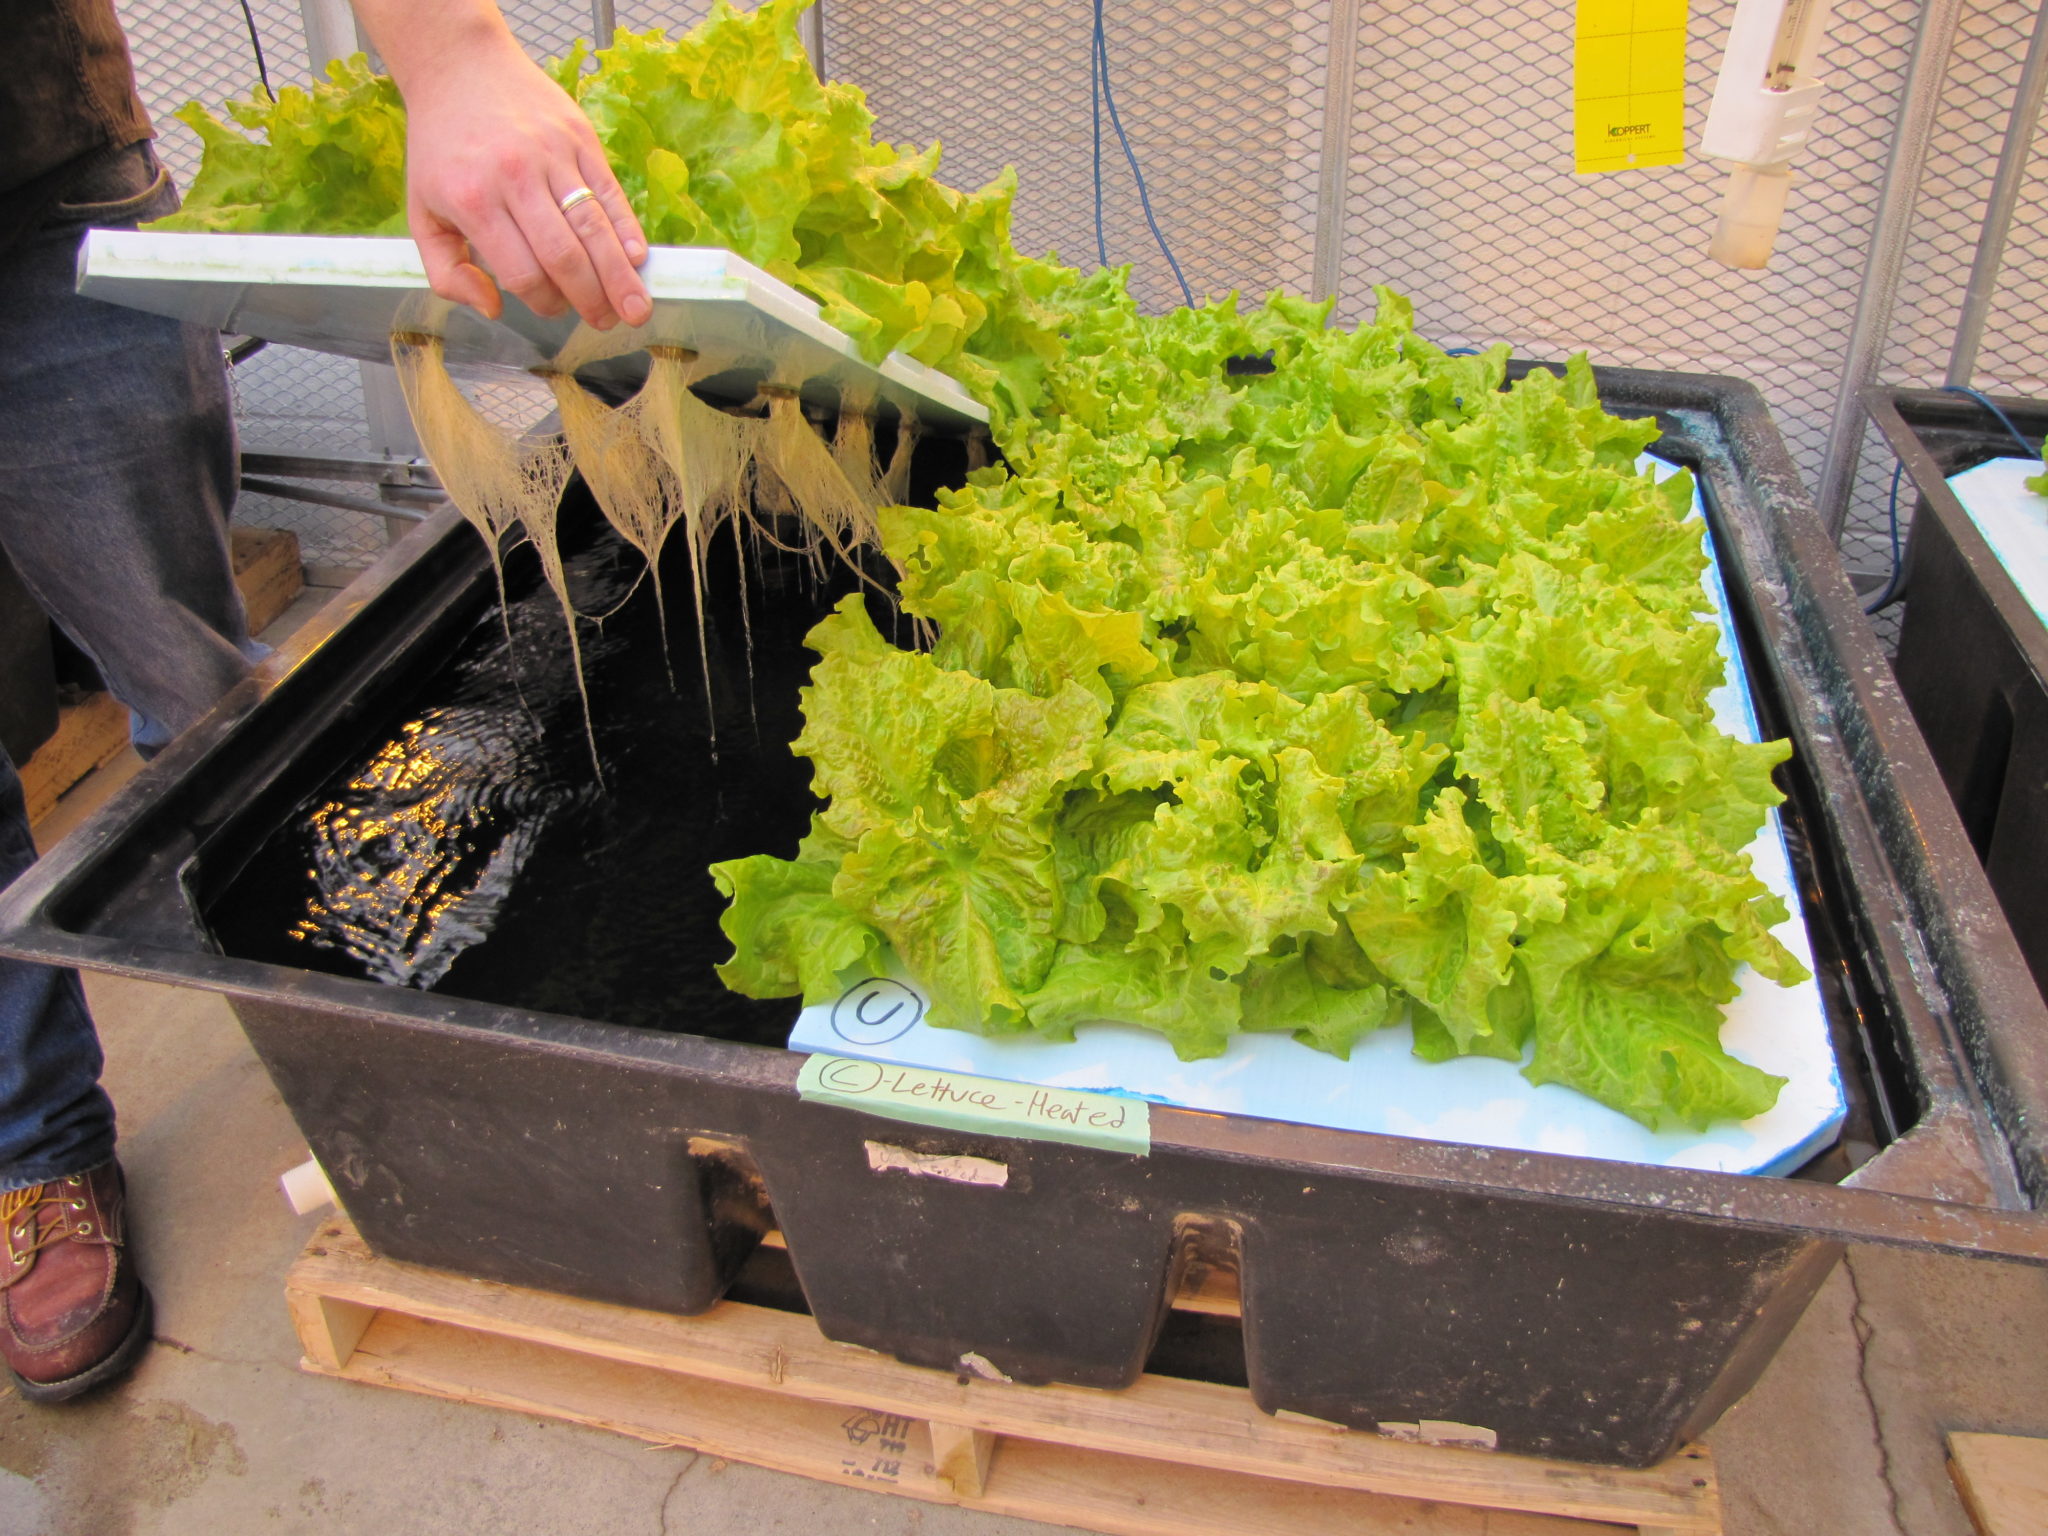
(267, 571)
(2003, 1480)
(94, 731)
(89, 733)
(1162, 1458)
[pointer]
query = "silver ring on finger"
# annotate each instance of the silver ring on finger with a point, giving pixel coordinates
(577, 196)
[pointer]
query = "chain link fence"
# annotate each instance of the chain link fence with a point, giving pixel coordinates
(1223, 105)
(1983, 74)
(1456, 164)
(1463, 197)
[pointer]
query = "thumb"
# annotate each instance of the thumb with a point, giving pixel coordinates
(450, 272)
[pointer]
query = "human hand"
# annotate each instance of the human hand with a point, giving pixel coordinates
(497, 161)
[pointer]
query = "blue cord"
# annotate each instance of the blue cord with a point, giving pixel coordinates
(1991, 405)
(1095, 112)
(1892, 587)
(1144, 196)
(256, 44)
(1890, 594)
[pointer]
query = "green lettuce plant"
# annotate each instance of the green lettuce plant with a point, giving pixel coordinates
(1309, 701)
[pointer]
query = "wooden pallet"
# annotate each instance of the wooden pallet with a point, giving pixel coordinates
(1163, 1458)
(268, 573)
(89, 734)
(2003, 1480)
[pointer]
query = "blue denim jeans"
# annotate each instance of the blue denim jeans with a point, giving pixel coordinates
(117, 476)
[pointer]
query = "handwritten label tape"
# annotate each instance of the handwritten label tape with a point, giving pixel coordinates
(986, 1105)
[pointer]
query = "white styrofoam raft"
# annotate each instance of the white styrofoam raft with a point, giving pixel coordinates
(346, 294)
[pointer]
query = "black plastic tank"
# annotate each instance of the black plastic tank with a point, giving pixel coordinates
(1972, 658)
(574, 1116)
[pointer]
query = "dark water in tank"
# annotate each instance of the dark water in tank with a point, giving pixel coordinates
(469, 847)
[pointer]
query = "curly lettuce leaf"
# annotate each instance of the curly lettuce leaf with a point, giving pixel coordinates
(1398, 690)
(944, 815)
(332, 159)
(789, 936)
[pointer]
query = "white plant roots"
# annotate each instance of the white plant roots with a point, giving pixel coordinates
(665, 460)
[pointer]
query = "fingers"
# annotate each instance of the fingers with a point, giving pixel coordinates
(603, 244)
(450, 272)
(501, 211)
(499, 235)
(554, 258)
(597, 175)
(563, 262)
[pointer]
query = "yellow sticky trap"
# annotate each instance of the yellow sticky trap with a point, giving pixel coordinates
(1628, 84)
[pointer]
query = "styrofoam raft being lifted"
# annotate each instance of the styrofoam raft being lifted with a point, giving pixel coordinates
(347, 294)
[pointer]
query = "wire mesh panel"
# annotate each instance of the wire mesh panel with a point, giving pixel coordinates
(292, 401)
(1222, 103)
(674, 17)
(548, 29)
(1460, 189)
(184, 52)
(1463, 197)
(1460, 185)
(1983, 71)
(1982, 78)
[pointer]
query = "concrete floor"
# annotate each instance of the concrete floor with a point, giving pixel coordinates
(218, 1433)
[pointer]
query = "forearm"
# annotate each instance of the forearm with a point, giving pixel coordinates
(420, 39)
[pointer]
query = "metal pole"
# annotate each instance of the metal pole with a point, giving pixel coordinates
(1998, 210)
(604, 21)
(811, 28)
(1340, 90)
(1912, 132)
(330, 32)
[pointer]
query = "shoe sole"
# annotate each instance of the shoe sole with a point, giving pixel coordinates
(111, 1369)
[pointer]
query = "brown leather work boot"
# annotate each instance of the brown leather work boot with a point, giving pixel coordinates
(73, 1313)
